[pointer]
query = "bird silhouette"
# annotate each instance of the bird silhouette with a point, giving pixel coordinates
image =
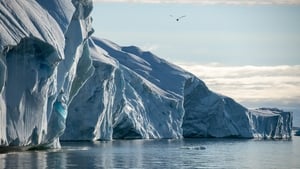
(178, 18)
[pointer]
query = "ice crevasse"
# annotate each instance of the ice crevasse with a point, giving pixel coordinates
(58, 82)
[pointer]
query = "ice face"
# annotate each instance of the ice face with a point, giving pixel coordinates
(134, 94)
(30, 83)
(208, 114)
(118, 103)
(43, 52)
(271, 123)
(92, 107)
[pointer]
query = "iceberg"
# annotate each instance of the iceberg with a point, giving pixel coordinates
(271, 123)
(134, 94)
(41, 63)
(117, 103)
(57, 82)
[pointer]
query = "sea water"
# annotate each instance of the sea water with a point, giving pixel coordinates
(180, 153)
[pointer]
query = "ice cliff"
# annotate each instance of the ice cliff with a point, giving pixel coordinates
(134, 94)
(45, 59)
(56, 82)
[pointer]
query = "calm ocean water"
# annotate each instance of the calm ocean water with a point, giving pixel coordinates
(182, 153)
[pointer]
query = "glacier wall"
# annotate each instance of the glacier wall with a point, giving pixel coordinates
(118, 103)
(212, 115)
(271, 123)
(44, 61)
(134, 94)
(56, 82)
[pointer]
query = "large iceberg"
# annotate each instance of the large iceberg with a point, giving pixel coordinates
(116, 102)
(57, 82)
(44, 60)
(134, 94)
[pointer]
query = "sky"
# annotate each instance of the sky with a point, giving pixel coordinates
(249, 50)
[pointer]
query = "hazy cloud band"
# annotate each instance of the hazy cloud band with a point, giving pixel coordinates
(253, 85)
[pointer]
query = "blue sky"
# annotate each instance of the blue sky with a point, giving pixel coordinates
(248, 52)
(227, 34)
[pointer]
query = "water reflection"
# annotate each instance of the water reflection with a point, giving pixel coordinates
(32, 159)
(184, 153)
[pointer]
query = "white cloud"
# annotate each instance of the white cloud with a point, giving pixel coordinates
(253, 85)
(248, 2)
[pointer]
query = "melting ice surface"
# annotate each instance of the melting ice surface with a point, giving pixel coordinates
(180, 153)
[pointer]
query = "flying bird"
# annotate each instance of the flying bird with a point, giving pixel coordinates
(178, 18)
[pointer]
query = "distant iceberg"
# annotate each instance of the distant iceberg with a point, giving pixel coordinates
(271, 123)
(58, 82)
